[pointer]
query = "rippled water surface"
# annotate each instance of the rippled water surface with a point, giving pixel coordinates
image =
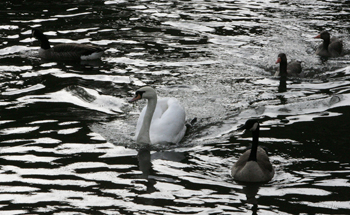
(67, 130)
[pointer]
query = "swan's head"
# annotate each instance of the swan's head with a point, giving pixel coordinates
(281, 58)
(250, 124)
(144, 93)
(324, 35)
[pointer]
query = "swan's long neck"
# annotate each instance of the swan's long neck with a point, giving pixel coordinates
(253, 151)
(144, 137)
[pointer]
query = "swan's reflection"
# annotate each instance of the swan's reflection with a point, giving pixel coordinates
(145, 158)
(145, 164)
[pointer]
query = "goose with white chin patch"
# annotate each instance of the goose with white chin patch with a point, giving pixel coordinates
(253, 165)
(66, 51)
(161, 121)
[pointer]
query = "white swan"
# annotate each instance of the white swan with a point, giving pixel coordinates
(254, 164)
(161, 121)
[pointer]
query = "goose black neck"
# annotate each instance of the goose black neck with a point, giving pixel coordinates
(283, 68)
(326, 43)
(254, 149)
(283, 77)
(282, 87)
(45, 44)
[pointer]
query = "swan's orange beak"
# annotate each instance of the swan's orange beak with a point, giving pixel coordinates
(137, 97)
(278, 60)
(318, 36)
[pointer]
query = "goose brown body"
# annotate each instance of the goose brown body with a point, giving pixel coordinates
(66, 51)
(253, 171)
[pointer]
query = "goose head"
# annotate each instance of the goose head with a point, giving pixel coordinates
(36, 33)
(144, 93)
(324, 35)
(250, 124)
(281, 58)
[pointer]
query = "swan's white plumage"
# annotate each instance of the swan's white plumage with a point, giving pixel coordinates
(168, 121)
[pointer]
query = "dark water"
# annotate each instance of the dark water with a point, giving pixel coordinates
(67, 131)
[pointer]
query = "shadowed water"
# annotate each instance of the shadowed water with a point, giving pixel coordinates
(67, 131)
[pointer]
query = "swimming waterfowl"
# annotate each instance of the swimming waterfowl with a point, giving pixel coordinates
(161, 121)
(254, 164)
(331, 47)
(291, 69)
(66, 51)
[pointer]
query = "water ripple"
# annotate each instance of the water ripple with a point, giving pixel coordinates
(67, 130)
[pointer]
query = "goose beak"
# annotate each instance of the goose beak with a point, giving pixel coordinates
(137, 97)
(278, 60)
(318, 36)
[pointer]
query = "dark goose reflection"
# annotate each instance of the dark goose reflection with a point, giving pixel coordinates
(251, 190)
(282, 87)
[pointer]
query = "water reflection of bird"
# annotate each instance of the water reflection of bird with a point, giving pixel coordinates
(253, 165)
(66, 51)
(251, 190)
(144, 159)
(145, 165)
(161, 121)
(331, 47)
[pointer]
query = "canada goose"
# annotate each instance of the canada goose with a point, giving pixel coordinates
(66, 51)
(254, 164)
(331, 47)
(291, 69)
(161, 121)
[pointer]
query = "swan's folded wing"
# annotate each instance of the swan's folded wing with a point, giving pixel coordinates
(168, 122)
